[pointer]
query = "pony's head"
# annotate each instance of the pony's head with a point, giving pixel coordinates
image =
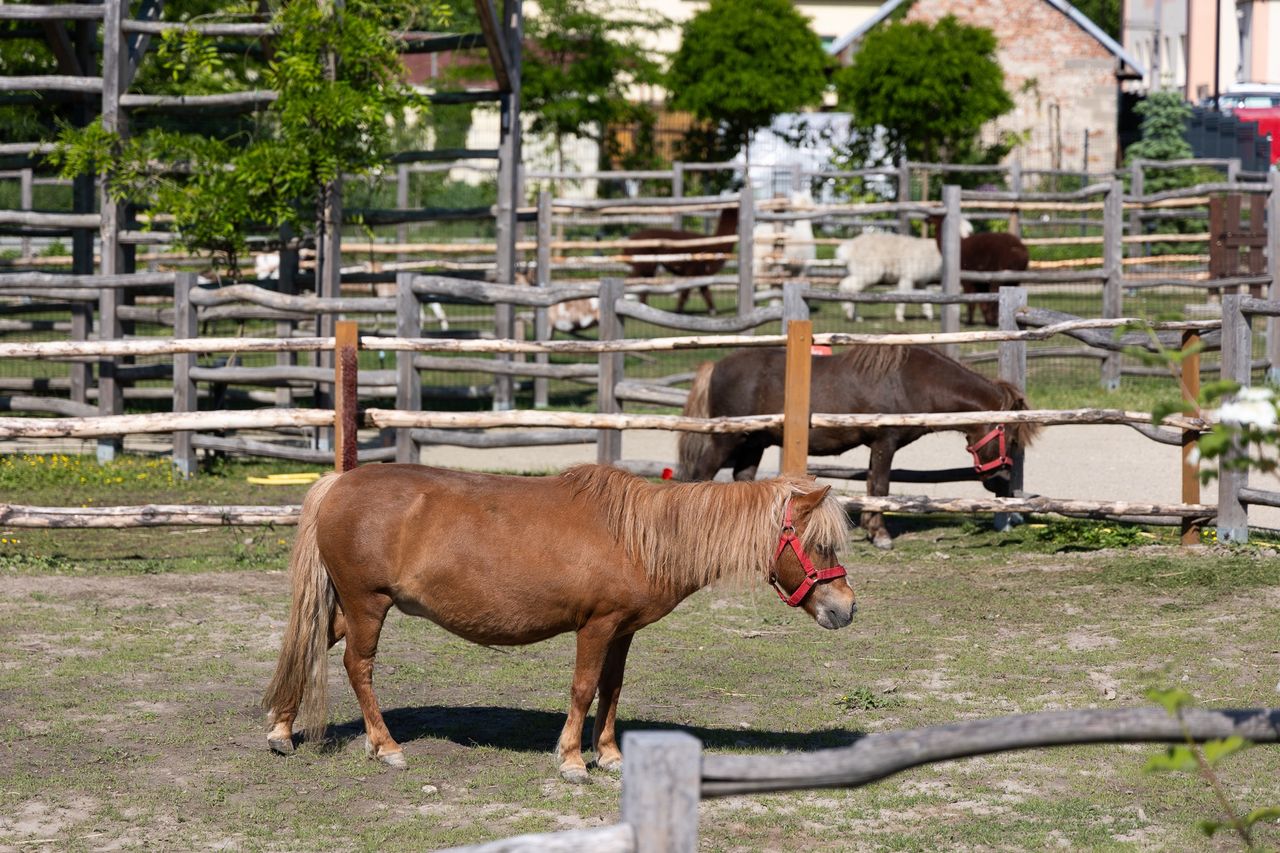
(806, 570)
(995, 446)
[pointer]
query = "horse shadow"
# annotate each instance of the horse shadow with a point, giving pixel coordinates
(524, 730)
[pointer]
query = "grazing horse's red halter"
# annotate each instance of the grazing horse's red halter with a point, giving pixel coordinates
(1002, 459)
(811, 575)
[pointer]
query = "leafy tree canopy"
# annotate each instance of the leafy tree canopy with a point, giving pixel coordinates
(1104, 13)
(742, 62)
(581, 59)
(272, 170)
(930, 88)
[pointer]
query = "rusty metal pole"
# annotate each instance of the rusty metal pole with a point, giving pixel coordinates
(346, 345)
(795, 402)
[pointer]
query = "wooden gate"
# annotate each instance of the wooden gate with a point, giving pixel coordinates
(1237, 244)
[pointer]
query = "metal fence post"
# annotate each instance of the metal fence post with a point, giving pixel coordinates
(951, 264)
(1113, 269)
(609, 441)
(185, 397)
(661, 787)
(408, 383)
(1237, 338)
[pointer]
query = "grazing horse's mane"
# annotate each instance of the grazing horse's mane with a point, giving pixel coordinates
(696, 533)
(878, 360)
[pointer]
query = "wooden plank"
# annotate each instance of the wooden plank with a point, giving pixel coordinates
(661, 788)
(149, 515)
(794, 306)
(1190, 376)
(345, 377)
(1237, 339)
(746, 236)
(618, 838)
(795, 398)
(1112, 290)
(879, 755)
(951, 264)
(542, 279)
(408, 383)
(502, 62)
(185, 398)
(110, 398)
(1273, 273)
(51, 83)
(1012, 368)
(609, 442)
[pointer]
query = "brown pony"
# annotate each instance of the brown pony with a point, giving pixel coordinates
(986, 251)
(727, 224)
(871, 379)
(513, 560)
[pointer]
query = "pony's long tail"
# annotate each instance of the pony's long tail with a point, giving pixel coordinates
(693, 447)
(302, 672)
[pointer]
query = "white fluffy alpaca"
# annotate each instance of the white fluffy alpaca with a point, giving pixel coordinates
(882, 257)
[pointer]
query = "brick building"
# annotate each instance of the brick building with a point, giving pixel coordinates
(1063, 72)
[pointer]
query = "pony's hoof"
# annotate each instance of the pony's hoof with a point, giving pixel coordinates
(391, 759)
(575, 775)
(883, 542)
(610, 765)
(281, 746)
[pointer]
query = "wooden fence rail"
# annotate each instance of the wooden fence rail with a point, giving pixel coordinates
(667, 774)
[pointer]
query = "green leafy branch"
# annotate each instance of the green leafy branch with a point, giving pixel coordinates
(1203, 759)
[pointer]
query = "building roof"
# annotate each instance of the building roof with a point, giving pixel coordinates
(848, 39)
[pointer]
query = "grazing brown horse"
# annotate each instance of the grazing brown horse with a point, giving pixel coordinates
(987, 251)
(727, 225)
(871, 379)
(513, 560)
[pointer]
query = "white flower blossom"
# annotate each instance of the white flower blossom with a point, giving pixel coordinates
(1254, 407)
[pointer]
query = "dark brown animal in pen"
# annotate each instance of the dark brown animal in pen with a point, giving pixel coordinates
(988, 251)
(725, 226)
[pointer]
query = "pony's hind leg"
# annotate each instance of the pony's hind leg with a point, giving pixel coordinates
(604, 736)
(594, 640)
(280, 738)
(882, 450)
(363, 624)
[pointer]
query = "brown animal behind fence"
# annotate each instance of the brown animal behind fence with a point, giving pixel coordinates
(725, 226)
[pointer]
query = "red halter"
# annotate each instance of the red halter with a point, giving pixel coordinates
(1002, 460)
(811, 575)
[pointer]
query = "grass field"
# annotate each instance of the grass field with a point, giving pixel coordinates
(131, 664)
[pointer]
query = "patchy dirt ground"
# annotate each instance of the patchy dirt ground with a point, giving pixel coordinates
(129, 718)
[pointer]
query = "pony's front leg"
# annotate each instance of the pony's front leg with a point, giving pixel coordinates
(905, 285)
(604, 736)
(593, 647)
(878, 486)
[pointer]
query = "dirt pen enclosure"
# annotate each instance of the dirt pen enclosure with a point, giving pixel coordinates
(132, 663)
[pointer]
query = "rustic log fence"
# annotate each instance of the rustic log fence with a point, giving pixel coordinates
(667, 774)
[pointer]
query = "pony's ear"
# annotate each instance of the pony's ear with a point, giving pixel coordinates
(806, 502)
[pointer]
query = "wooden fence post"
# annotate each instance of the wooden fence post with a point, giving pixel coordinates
(114, 59)
(793, 305)
(346, 374)
(185, 398)
(26, 198)
(1015, 187)
(904, 195)
(1273, 271)
(661, 787)
(542, 278)
(746, 227)
(1012, 359)
(677, 192)
(1135, 215)
(609, 441)
(1190, 367)
(1112, 294)
(1233, 170)
(1237, 339)
(795, 399)
(951, 264)
(408, 383)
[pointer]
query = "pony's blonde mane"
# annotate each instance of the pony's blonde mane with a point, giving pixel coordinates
(690, 534)
(875, 359)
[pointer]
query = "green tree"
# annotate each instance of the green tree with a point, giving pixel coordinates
(271, 171)
(924, 92)
(1104, 13)
(582, 58)
(743, 62)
